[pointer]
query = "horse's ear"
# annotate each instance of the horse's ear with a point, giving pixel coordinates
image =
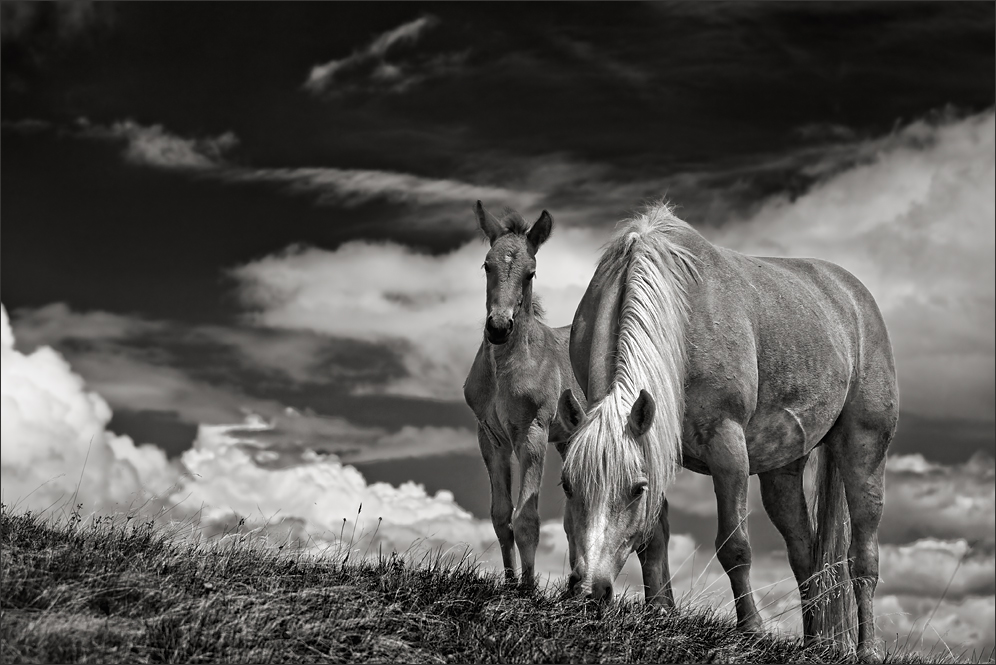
(641, 416)
(569, 412)
(540, 231)
(492, 228)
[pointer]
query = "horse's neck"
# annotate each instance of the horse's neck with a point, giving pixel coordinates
(520, 347)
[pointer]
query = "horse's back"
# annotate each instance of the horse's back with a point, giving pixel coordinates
(785, 346)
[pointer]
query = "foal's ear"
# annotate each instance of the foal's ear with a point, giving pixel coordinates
(492, 228)
(569, 412)
(540, 231)
(641, 416)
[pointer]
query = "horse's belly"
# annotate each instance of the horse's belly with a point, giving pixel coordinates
(779, 435)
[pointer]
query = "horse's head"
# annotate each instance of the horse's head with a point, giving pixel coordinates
(510, 266)
(606, 515)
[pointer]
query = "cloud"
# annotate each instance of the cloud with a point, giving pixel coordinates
(26, 125)
(912, 216)
(353, 187)
(154, 146)
(926, 500)
(156, 368)
(429, 308)
(55, 439)
(51, 21)
(955, 629)
(368, 68)
(936, 568)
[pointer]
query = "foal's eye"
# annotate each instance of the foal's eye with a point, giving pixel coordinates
(531, 275)
(487, 268)
(567, 488)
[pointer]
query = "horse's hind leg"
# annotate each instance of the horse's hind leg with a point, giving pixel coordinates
(498, 461)
(784, 499)
(654, 564)
(860, 454)
(526, 524)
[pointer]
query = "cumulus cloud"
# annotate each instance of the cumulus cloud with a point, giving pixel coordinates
(926, 500)
(912, 215)
(370, 68)
(431, 309)
(55, 440)
(954, 629)
(935, 568)
(156, 147)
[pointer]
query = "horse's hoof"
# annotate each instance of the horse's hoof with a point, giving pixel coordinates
(751, 626)
(661, 603)
(868, 653)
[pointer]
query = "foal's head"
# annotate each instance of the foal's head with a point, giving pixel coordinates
(510, 266)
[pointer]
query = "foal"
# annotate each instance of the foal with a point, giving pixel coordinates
(520, 370)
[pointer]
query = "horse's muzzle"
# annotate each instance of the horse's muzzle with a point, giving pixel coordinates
(497, 333)
(599, 591)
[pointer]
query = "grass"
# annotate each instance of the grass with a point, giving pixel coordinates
(119, 590)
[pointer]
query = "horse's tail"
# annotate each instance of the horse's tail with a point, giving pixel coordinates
(828, 595)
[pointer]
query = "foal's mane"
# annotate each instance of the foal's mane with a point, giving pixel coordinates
(654, 270)
(513, 221)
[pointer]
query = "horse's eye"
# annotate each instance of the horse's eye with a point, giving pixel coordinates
(639, 489)
(567, 488)
(531, 275)
(487, 268)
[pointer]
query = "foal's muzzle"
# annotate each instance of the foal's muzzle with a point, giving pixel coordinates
(498, 333)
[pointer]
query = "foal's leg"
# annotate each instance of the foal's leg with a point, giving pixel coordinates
(654, 563)
(860, 456)
(526, 524)
(730, 470)
(785, 502)
(497, 459)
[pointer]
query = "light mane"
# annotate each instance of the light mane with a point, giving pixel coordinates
(604, 456)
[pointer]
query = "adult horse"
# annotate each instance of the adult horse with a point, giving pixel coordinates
(730, 365)
(520, 370)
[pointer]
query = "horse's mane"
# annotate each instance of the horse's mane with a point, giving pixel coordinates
(650, 355)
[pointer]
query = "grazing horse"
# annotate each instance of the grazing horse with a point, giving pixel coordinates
(520, 370)
(730, 365)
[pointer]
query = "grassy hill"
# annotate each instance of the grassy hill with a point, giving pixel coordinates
(102, 590)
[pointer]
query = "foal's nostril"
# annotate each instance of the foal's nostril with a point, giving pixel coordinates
(498, 333)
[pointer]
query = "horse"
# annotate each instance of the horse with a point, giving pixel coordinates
(520, 369)
(691, 355)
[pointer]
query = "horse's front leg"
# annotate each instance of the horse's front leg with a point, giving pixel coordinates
(654, 563)
(531, 451)
(730, 468)
(498, 461)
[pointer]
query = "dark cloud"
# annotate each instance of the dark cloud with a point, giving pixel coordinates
(45, 22)
(166, 429)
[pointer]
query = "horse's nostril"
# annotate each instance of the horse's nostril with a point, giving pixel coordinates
(601, 591)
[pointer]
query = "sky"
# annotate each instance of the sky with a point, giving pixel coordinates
(241, 275)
